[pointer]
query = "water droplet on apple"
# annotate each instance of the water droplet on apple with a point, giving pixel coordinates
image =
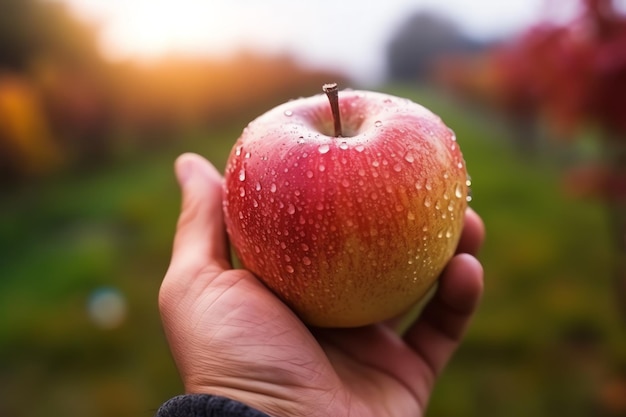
(343, 146)
(399, 207)
(242, 175)
(257, 249)
(322, 168)
(448, 233)
(458, 191)
(418, 185)
(378, 123)
(409, 157)
(273, 188)
(359, 148)
(288, 113)
(361, 172)
(255, 203)
(289, 269)
(257, 186)
(238, 150)
(460, 165)
(410, 216)
(324, 148)
(440, 234)
(428, 202)
(291, 209)
(309, 174)
(242, 192)
(374, 196)
(247, 155)
(397, 167)
(319, 206)
(468, 181)
(345, 183)
(428, 185)
(376, 164)
(306, 260)
(468, 198)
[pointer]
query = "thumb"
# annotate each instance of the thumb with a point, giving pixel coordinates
(200, 239)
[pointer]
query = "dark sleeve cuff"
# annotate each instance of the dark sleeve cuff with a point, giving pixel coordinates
(204, 405)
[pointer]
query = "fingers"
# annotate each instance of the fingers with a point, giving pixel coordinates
(200, 239)
(473, 233)
(438, 331)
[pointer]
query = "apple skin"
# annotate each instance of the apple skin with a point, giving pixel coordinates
(350, 230)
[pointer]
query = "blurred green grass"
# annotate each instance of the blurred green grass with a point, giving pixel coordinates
(546, 339)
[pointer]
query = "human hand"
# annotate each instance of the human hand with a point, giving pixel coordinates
(231, 336)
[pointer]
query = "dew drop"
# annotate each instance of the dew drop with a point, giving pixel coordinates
(288, 113)
(287, 258)
(309, 174)
(273, 188)
(418, 186)
(306, 260)
(257, 249)
(343, 146)
(448, 234)
(409, 157)
(291, 209)
(399, 207)
(319, 206)
(242, 175)
(247, 155)
(374, 196)
(289, 269)
(324, 148)
(361, 172)
(428, 202)
(397, 167)
(242, 192)
(304, 247)
(428, 186)
(410, 216)
(458, 191)
(238, 150)
(378, 123)
(359, 148)
(255, 203)
(345, 183)
(376, 164)
(257, 186)
(322, 168)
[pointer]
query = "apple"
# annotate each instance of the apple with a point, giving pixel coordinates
(347, 205)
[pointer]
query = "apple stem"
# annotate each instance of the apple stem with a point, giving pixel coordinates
(332, 92)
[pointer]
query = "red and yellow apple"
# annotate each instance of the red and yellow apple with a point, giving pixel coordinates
(348, 208)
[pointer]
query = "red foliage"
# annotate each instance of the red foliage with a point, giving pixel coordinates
(572, 74)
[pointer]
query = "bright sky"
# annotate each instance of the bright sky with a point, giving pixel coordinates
(349, 35)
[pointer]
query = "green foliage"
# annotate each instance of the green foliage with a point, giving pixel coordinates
(545, 341)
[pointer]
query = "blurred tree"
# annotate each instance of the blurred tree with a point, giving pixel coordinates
(26, 145)
(420, 41)
(573, 77)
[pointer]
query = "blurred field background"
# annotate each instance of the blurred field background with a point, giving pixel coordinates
(88, 202)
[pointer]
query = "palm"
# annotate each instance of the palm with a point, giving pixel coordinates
(231, 336)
